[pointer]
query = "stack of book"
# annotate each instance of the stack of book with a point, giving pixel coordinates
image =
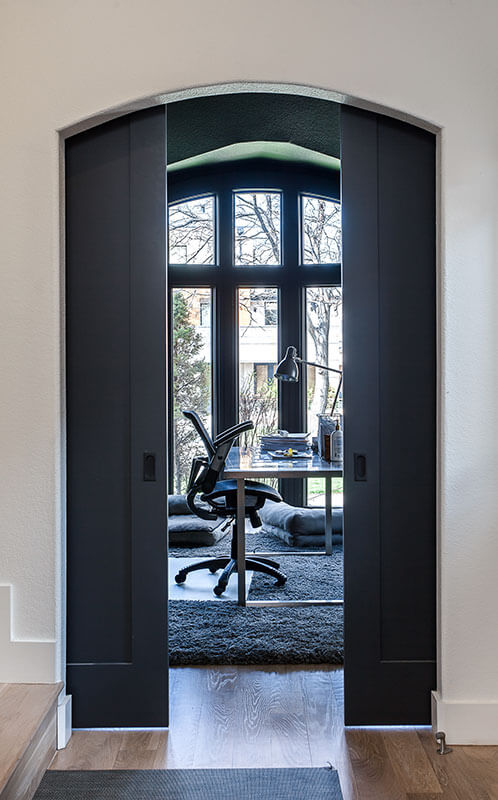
(283, 441)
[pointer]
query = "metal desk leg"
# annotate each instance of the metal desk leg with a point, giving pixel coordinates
(241, 541)
(328, 516)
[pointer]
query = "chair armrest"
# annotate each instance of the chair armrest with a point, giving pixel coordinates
(197, 510)
(233, 433)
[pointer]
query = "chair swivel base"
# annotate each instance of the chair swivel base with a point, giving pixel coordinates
(229, 566)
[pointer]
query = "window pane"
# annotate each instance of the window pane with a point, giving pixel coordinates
(192, 232)
(322, 235)
(324, 346)
(191, 376)
(257, 228)
(258, 342)
(316, 492)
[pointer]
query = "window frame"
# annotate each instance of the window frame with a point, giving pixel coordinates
(291, 278)
(302, 197)
(253, 190)
(186, 264)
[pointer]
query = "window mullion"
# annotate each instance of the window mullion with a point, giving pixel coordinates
(226, 394)
(292, 406)
(292, 395)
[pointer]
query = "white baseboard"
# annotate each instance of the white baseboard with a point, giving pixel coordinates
(465, 723)
(64, 720)
(22, 661)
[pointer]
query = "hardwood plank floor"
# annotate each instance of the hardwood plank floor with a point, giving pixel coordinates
(284, 717)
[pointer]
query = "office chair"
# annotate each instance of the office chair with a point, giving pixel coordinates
(221, 496)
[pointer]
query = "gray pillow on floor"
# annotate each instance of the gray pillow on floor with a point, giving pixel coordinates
(186, 530)
(302, 521)
(299, 539)
(177, 504)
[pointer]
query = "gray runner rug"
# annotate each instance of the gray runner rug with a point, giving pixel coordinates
(191, 784)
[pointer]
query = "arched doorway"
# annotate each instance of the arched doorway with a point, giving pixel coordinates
(391, 617)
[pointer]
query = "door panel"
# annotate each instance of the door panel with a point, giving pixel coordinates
(116, 413)
(388, 197)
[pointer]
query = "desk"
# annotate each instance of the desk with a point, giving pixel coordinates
(250, 463)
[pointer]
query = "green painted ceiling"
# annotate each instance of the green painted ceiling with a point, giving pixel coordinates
(211, 125)
(277, 151)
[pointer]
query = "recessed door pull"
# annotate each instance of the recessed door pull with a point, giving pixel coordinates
(149, 466)
(360, 466)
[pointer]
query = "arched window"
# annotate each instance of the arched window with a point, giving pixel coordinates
(254, 266)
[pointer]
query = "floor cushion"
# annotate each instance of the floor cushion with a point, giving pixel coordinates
(300, 527)
(187, 530)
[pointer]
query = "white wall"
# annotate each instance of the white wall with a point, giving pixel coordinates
(62, 61)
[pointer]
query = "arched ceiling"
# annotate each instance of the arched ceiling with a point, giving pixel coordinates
(242, 151)
(207, 124)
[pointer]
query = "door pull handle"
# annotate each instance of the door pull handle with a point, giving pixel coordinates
(360, 466)
(149, 466)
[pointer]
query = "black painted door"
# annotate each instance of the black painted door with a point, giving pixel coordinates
(389, 280)
(116, 423)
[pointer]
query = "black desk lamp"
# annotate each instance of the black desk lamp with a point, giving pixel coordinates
(288, 370)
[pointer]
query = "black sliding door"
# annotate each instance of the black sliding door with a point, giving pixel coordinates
(389, 285)
(116, 423)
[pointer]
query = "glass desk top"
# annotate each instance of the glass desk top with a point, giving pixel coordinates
(252, 462)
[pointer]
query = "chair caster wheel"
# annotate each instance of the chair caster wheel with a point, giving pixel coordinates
(218, 590)
(213, 571)
(281, 581)
(180, 578)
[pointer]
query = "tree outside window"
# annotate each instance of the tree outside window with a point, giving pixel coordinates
(191, 379)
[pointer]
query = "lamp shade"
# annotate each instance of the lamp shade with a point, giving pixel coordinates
(288, 369)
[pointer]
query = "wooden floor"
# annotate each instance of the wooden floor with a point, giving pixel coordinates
(286, 717)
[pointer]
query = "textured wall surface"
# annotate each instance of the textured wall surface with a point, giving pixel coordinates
(62, 62)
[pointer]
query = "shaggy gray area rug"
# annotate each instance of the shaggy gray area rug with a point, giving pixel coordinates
(225, 633)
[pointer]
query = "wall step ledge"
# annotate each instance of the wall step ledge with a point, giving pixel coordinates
(28, 736)
(22, 661)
